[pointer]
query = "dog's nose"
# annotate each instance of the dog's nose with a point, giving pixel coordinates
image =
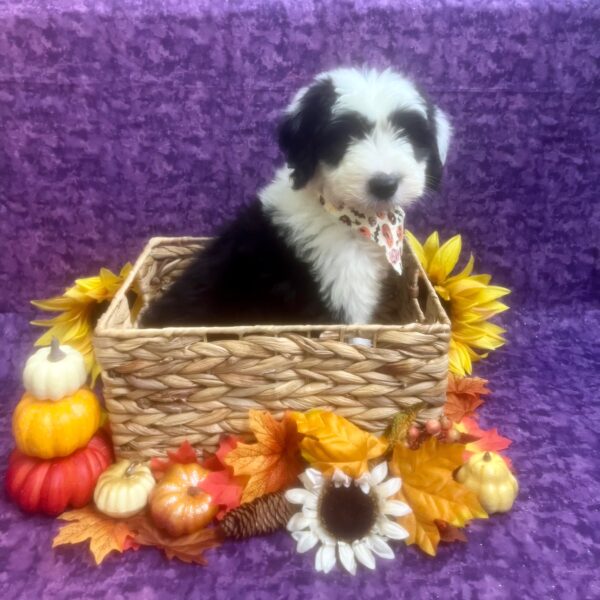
(383, 186)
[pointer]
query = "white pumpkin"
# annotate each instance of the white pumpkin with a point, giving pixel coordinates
(54, 372)
(123, 489)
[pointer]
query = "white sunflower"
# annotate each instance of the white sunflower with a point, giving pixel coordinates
(347, 515)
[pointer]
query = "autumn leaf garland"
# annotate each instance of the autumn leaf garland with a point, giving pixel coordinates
(241, 472)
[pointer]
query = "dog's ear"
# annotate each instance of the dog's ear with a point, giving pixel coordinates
(442, 132)
(301, 128)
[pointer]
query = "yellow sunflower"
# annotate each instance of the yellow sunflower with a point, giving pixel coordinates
(468, 299)
(80, 306)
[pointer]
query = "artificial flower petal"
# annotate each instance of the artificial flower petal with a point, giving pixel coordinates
(416, 248)
(297, 522)
(327, 558)
(306, 541)
(298, 495)
(393, 530)
(379, 473)
(363, 554)
(340, 478)
(380, 547)
(390, 487)
(319, 560)
(322, 534)
(396, 508)
(346, 554)
(444, 260)
(431, 246)
(312, 479)
(364, 483)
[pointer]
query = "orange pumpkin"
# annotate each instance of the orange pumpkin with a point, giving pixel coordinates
(50, 429)
(177, 505)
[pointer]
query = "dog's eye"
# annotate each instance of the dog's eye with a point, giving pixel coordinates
(338, 134)
(416, 129)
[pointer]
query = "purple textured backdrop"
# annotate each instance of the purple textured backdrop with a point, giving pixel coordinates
(124, 119)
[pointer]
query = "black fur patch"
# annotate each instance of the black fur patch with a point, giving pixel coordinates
(421, 133)
(312, 133)
(248, 275)
(300, 131)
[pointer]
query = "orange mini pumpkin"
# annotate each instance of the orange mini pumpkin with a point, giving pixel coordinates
(50, 429)
(177, 505)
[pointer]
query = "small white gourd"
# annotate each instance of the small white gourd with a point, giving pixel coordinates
(54, 372)
(123, 489)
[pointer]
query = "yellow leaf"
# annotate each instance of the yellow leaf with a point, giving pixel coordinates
(274, 462)
(332, 442)
(424, 534)
(428, 487)
(105, 534)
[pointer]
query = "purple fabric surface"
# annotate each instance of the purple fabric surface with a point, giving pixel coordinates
(124, 119)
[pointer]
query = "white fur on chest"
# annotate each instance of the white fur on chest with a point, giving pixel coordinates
(348, 268)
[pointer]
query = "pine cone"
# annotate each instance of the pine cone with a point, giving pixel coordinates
(263, 515)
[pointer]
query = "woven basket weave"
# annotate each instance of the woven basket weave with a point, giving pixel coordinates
(164, 386)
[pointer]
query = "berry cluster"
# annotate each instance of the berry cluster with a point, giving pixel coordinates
(441, 429)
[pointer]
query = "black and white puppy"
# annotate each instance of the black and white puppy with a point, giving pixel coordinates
(367, 138)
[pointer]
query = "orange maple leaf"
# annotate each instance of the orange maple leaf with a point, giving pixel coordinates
(274, 461)
(429, 488)
(464, 396)
(188, 548)
(105, 534)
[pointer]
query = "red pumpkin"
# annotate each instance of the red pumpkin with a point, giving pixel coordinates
(50, 486)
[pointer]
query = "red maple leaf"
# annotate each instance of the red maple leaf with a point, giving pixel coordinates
(489, 439)
(216, 461)
(221, 484)
(184, 455)
(450, 533)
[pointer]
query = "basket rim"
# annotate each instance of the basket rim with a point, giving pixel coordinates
(104, 326)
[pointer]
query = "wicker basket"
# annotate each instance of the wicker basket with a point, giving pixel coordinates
(164, 386)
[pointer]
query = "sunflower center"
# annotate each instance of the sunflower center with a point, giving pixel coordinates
(347, 513)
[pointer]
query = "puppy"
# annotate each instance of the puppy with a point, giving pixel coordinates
(367, 139)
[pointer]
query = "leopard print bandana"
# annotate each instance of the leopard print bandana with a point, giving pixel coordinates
(385, 228)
